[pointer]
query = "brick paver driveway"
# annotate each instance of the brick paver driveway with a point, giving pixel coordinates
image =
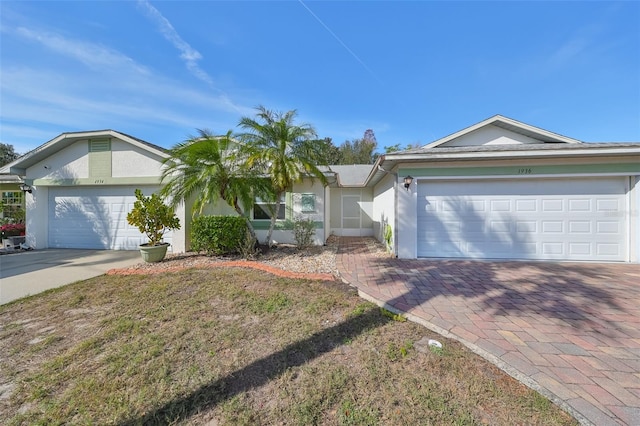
(569, 330)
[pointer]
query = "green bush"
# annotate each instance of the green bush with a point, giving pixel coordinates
(152, 217)
(218, 234)
(388, 235)
(303, 232)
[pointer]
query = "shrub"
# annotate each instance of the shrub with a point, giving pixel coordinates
(152, 217)
(388, 235)
(218, 234)
(303, 232)
(12, 229)
(248, 248)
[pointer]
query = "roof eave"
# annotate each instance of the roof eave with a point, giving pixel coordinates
(429, 156)
(545, 134)
(56, 144)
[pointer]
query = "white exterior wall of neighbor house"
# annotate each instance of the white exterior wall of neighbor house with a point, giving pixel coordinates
(620, 169)
(70, 163)
(129, 161)
(490, 135)
(132, 167)
(37, 217)
(384, 207)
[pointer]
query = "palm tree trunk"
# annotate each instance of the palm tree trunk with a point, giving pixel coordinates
(272, 224)
(238, 210)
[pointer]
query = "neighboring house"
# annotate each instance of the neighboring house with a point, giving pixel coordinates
(83, 187)
(11, 198)
(500, 189)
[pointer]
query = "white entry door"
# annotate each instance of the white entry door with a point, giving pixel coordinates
(554, 219)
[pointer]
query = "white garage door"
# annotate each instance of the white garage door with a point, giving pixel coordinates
(563, 219)
(94, 218)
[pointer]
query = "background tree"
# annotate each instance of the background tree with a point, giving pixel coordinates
(359, 151)
(397, 147)
(208, 168)
(7, 154)
(281, 147)
(392, 148)
(322, 149)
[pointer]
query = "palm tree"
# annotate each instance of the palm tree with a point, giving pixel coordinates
(282, 149)
(207, 167)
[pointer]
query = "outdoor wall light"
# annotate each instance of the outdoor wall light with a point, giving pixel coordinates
(26, 188)
(407, 182)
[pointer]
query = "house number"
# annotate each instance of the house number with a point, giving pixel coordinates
(525, 171)
(99, 181)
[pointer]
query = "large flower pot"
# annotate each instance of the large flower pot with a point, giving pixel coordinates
(153, 253)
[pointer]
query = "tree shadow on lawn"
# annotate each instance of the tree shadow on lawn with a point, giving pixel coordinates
(262, 371)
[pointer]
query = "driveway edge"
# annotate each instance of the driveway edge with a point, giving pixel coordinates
(511, 371)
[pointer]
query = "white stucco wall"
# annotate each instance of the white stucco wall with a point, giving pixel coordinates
(69, 163)
(407, 222)
(634, 219)
(37, 217)
(384, 207)
(130, 161)
(491, 135)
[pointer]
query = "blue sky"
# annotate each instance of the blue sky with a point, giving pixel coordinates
(411, 71)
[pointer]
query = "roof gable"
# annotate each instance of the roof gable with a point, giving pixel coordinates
(65, 140)
(499, 130)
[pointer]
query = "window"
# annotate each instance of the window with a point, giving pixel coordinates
(12, 205)
(262, 210)
(308, 203)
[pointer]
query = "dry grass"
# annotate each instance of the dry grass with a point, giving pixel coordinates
(230, 346)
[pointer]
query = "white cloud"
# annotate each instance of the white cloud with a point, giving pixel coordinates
(92, 55)
(111, 90)
(190, 55)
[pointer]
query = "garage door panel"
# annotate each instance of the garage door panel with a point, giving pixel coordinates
(94, 218)
(572, 219)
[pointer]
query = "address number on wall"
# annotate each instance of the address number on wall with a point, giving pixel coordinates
(98, 181)
(525, 171)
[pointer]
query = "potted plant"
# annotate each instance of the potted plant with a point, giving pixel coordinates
(153, 218)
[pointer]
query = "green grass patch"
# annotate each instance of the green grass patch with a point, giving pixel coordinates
(233, 346)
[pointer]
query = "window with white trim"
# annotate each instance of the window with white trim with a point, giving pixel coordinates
(308, 203)
(12, 204)
(262, 210)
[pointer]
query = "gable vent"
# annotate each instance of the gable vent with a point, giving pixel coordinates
(100, 158)
(100, 145)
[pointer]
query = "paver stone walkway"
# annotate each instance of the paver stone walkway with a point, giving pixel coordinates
(569, 330)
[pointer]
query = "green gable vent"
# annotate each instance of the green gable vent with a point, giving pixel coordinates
(100, 145)
(100, 158)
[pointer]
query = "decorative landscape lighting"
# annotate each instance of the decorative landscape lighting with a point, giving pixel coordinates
(407, 182)
(26, 188)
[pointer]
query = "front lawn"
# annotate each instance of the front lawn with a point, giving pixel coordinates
(233, 346)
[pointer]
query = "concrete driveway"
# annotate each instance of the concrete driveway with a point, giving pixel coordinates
(568, 330)
(31, 272)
